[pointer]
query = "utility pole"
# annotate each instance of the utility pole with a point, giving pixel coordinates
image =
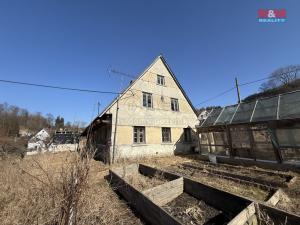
(237, 90)
(115, 133)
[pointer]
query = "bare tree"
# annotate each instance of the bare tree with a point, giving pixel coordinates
(281, 76)
(50, 119)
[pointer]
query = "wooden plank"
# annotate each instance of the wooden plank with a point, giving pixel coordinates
(151, 172)
(148, 210)
(276, 197)
(266, 165)
(166, 192)
(278, 216)
(229, 203)
(244, 216)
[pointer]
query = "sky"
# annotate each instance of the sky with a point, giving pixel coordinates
(73, 43)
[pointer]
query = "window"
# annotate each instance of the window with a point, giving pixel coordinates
(187, 135)
(147, 99)
(160, 80)
(139, 135)
(174, 104)
(166, 134)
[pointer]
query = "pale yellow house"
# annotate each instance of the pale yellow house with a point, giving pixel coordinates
(152, 117)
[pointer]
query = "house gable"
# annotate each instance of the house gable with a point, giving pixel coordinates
(130, 101)
(132, 111)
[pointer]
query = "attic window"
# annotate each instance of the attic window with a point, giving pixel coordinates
(160, 80)
(174, 104)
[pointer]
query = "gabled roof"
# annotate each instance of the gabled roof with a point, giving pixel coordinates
(142, 74)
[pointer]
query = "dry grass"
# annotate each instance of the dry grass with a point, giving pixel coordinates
(58, 189)
(142, 182)
(152, 161)
(292, 201)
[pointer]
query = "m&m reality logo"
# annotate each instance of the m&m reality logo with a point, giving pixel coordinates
(271, 15)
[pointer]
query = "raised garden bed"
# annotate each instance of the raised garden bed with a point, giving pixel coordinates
(233, 185)
(180, 200)
(261, 176)
(189, 210)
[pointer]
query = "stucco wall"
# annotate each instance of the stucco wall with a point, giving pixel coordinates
(133, 113)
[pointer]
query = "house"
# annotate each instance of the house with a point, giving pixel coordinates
(152, 117)
(24, 132)
(38, 142)
(64, 141)
(203, 115)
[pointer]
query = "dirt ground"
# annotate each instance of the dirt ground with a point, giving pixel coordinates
(249, 191)
(190, 210)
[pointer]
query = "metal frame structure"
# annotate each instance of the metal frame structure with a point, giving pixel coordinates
(263, 117)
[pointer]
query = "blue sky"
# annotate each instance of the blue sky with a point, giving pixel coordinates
(73, 43)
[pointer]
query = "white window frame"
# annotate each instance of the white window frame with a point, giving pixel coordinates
(160, 80)
(146, 97)
(166, 135)
(138, 133)
(174, 104)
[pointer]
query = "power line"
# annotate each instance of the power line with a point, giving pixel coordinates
(117, 72)
(58, 87)
(247, 83)
(255, 81)
(269, 77)
(216, 96)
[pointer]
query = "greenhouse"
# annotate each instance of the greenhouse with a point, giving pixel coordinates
(267, 129)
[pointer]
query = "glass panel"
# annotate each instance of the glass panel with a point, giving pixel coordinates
(266, 109)
(288, 137)
(289, 106)
(212, 117)
(174, 104)
(263, 147)
(166, 134)
(240, 137)
(220, 138)
(219, 150)
(203, 138)
(204, 150)
(226, 115)
(149, 101)
(291, 155)
(144, 100)
(244, 112)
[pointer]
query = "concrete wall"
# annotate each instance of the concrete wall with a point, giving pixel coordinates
(63, 147)
(132, 113)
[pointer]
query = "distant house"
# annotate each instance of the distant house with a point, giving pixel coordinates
(38, 141)
(152, 117)
(203, 115)
(64, 141)
(24, 132)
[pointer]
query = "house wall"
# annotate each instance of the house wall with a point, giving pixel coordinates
(132, 113)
